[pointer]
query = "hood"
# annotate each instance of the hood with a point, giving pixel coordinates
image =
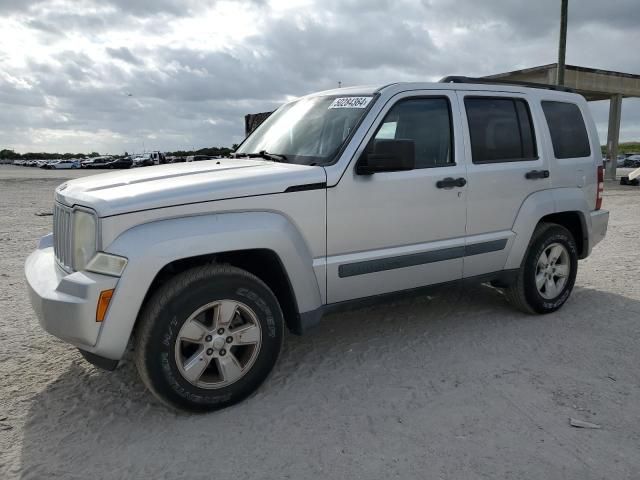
(177, 184)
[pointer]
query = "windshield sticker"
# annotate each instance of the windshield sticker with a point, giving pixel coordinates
(350, 102)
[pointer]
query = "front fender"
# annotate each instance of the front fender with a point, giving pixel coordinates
(149, 247)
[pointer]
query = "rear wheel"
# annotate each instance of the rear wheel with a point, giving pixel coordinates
(208, 338)
(548, 273)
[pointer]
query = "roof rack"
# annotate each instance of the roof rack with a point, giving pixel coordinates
(491, 81)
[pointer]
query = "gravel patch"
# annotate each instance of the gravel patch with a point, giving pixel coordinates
(451, 385)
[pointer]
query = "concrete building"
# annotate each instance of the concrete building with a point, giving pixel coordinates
(594, 85)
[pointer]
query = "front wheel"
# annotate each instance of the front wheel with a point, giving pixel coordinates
(208, 338)
(548, 272)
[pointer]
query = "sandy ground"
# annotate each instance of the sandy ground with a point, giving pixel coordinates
(454, 385)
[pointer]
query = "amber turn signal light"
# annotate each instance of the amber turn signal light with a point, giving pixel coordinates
(103, 304)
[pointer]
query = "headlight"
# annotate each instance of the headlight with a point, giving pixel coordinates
(107, 264)
(84, 238)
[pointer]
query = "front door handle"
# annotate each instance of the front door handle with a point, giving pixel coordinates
(450, 182)
(536, 174)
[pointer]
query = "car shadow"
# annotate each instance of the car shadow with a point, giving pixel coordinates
(362, 380)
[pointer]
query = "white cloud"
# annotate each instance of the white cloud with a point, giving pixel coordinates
(83, 75)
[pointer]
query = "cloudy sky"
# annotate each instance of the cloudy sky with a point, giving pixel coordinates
(116, 75)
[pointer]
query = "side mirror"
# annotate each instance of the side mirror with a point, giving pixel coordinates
(388, 156)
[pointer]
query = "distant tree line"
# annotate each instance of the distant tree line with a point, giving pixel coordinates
(11, 155)
(625, 148)
(212, 151)
(7, 154)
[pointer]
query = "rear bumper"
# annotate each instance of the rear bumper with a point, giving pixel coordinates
(65, 304)
(599, 225)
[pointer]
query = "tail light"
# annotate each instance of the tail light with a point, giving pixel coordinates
(600, 187)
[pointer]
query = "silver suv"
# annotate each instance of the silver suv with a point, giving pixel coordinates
(339, 197)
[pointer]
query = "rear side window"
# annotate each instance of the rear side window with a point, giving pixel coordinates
(501, 129)
(568, 132)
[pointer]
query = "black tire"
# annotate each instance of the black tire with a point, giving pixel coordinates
(523, 293)
(169, 308)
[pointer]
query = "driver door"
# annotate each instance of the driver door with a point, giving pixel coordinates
(399, 230)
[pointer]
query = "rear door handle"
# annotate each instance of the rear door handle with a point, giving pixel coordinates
(450, 182)
(536, 174)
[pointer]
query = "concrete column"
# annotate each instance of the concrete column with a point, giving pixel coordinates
(613, 136)
(562, 48)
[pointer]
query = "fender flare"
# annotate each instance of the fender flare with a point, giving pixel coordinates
(151, 246)
(535, 207)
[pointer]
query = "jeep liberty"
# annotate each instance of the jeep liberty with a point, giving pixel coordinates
(338, 198)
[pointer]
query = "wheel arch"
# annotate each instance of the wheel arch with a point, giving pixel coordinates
(261, 262)
(564, 206)
(575, 222)
(244, 239)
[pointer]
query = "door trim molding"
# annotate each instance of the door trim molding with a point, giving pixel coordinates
(403, 261)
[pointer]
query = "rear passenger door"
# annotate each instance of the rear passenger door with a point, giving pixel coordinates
(506, 165)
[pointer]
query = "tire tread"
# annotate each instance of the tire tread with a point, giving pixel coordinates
(515, 293)
(159, 301)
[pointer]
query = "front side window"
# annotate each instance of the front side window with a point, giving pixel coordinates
(425, 121)
(568, 132)
(500, 129)
(308, 131)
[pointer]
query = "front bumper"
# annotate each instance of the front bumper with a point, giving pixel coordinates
(599, 224)
(65, 303)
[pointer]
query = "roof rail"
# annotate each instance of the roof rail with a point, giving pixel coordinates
(491, 81)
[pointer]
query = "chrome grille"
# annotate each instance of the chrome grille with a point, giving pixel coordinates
(62, 235)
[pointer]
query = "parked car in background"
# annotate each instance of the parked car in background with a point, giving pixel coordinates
(632, 161)
(157, 158)
(619, 160)
(96, 162)
(143, 160)
(125, 162)
(149, 158)
(200, 158)
(62, 165)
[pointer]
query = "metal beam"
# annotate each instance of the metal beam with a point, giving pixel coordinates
(613, 135)
(562, 47)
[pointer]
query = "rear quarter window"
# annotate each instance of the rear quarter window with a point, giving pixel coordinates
(568, 131)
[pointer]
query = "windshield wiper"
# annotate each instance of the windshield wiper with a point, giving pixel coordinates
(274, 157)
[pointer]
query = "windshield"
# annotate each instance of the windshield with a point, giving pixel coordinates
(309, 131)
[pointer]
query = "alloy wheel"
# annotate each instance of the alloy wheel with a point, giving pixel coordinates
(218, 344)
(552, 271)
